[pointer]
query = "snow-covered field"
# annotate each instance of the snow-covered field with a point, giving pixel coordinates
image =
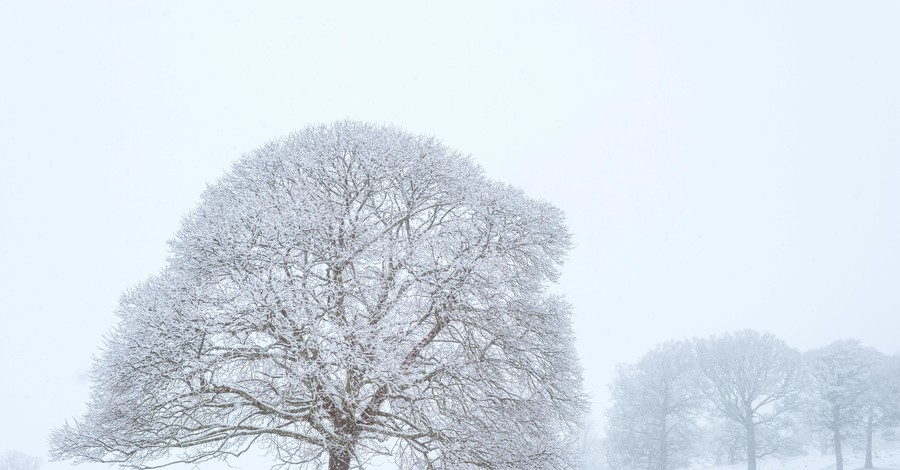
(888, 459)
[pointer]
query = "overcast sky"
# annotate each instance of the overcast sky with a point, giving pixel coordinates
(722, 165)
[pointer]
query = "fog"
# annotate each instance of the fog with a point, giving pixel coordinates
(722, 166)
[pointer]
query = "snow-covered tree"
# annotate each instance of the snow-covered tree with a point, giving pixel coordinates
(754, 380)
(652, 419)
(346, 292)
(882, 402)
(14, 460)
(841, 380)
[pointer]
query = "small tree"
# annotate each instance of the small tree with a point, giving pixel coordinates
(725, 439)
(842, 379)
(652, 421)
(752, 379)
(346, 292)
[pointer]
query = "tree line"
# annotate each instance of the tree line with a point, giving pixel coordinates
(745, 395)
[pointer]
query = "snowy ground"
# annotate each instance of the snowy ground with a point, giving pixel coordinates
(888, 459)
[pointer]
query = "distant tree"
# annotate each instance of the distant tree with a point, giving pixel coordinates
(882, 402)
(346, 292)
(754, 380)
(655, 405)
(842, 374)
(590, 447)
(725, 439)
(14, 460)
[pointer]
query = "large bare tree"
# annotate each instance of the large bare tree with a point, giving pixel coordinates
(345, 292)
(842, 379)
(652, 422)
(753, 379)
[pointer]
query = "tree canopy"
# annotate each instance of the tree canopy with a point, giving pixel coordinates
(345, 292)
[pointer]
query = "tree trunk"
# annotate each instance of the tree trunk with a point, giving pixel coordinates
(836, 428)
(664, 441)
(869, 426)
(838, 455)
(751, 443)
(339, 459)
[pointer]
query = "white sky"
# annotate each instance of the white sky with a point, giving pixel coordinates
(723, 165)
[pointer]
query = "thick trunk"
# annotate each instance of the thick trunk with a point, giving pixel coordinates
(869, 427)
(339, 459)
(751, 443)
(836, 427)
